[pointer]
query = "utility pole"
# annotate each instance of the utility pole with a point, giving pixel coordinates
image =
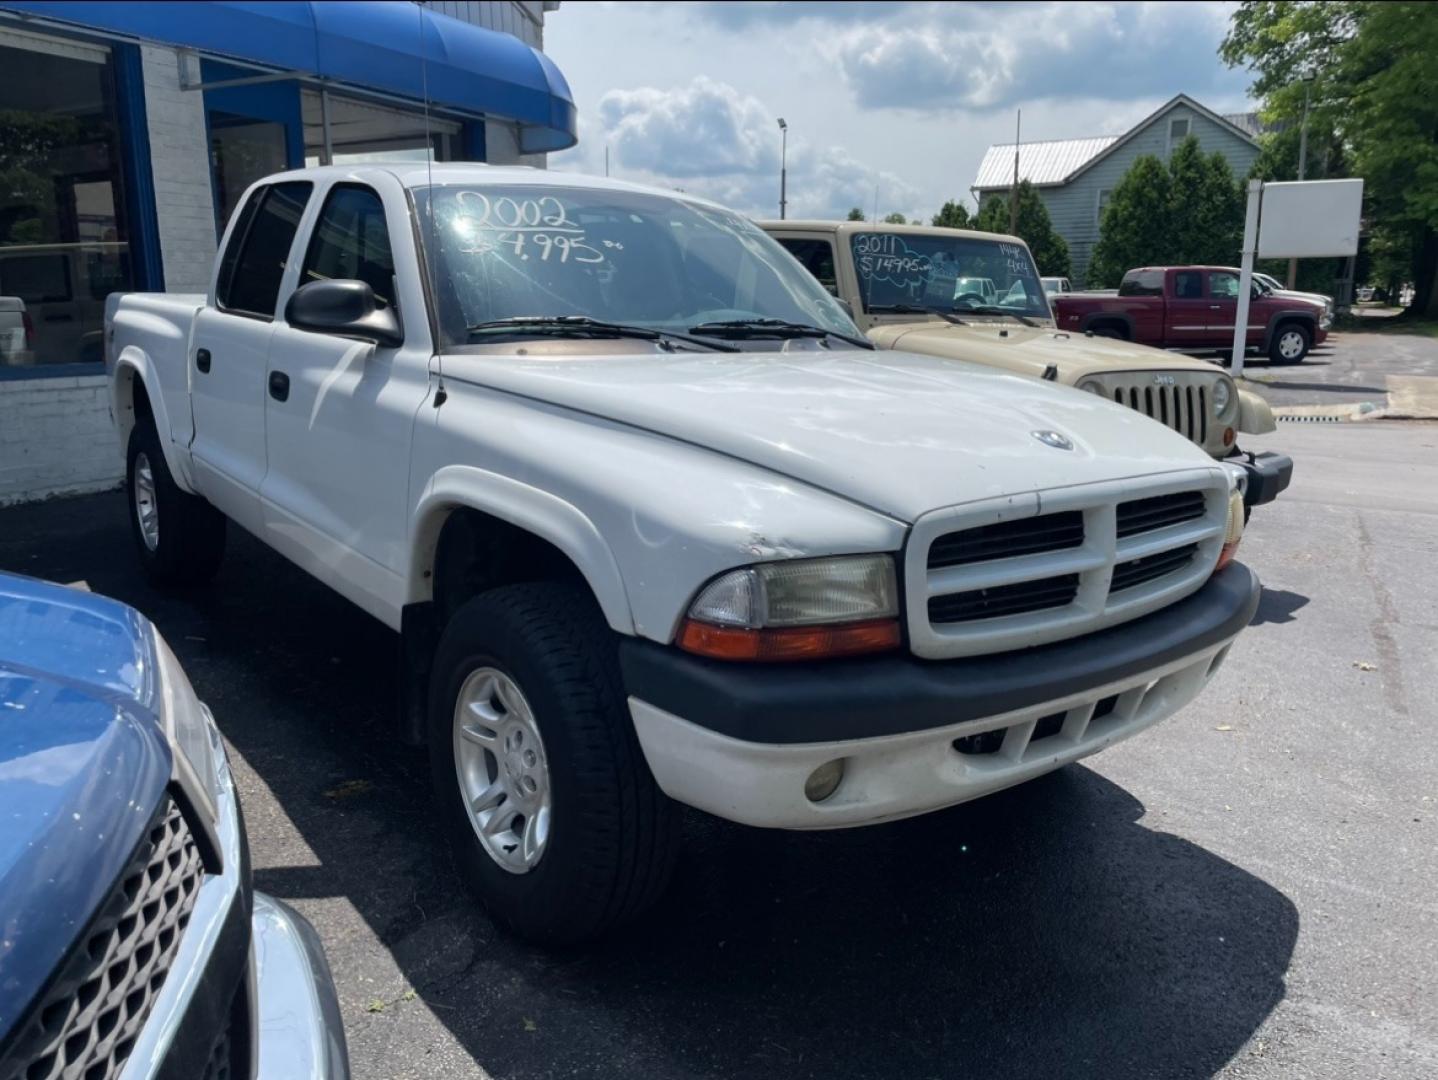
(1302, 162)
(1014, 191)
(783, 170)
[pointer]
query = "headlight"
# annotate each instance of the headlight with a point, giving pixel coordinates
(189, 730)
(1222, 396)
(799, 609)
(1093, 386)
(1233, 534)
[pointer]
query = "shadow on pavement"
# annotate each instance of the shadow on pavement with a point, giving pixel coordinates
(1277, 606)
(1043, 931)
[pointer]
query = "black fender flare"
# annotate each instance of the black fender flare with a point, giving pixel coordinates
(1108, 316)
(1289, 315)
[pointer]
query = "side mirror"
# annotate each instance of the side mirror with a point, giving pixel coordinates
(345, 308)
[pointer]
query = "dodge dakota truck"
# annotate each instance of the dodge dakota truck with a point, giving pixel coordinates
(913, 287)
(1193, 308)
(654, 524)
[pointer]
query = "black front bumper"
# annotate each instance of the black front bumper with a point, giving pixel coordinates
(892, 694)
(1268, 475)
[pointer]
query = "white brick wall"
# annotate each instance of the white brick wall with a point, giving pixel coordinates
(56, 438)
(180, 161)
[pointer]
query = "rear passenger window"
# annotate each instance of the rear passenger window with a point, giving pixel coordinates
(351, 242)
(1142, 283)
(250, 280)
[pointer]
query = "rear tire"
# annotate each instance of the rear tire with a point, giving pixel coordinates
(1108, 330)
(1290, 344)
(179, 537)
(534, 667)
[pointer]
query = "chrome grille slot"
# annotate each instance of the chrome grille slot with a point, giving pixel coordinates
(1006, 539)
(1143, 515)
(1004, 600)
(1024, 570)
(1181, 404)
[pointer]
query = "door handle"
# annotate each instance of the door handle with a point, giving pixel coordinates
(57, 318)
(1215, 307)
(202, 360)
(279, 385)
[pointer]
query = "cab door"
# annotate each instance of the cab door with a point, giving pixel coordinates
(1186, 310)
(339, 413)
(229, 347)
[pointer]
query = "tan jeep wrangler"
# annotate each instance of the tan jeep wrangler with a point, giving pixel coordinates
(977, 296)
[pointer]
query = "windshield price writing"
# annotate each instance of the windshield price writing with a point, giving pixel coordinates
(538, 228)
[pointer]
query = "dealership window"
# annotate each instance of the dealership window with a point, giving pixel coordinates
(64, 240)
(365, 131)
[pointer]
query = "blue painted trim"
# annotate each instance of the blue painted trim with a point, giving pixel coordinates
(473, 142)
(48, 371)
(142, 218)
(390, 46)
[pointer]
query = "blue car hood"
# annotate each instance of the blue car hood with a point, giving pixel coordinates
(83, 767)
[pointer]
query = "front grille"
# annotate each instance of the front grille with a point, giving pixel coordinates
(1135, 572)
(85, 1024)
(1016, 599)
(1183, 408)
(995, 575)
(1007, 539)
(1158, 512)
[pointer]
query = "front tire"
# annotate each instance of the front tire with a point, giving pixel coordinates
(1290, 344)
(179, 537)
(556, 822)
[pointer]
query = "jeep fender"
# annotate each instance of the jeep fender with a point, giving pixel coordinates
(1255, 416)
(525, 507)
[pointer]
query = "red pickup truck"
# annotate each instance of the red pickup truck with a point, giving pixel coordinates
(1192, 308)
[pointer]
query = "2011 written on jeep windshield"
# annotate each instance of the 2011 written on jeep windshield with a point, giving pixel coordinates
(623, 257)
(946, 273)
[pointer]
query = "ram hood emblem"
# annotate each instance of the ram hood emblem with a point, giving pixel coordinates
(1054, 439)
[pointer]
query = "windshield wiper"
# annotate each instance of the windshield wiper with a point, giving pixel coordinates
(778, 328)
(914, 309)
(584, 326)
(993, 309)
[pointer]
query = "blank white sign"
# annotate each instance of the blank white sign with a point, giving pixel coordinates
(1310, 218)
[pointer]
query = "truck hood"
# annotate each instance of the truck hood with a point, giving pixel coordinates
(83, 764)
(897, 432)
(1029, 350)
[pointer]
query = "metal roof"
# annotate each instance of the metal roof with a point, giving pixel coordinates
(1247, 121)
(1039, 162)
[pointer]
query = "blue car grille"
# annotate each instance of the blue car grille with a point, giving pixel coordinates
(84, 1025)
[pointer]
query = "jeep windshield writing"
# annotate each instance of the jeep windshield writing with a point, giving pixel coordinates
(945, 273)
(667, 264)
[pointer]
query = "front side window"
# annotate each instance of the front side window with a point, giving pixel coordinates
(660, 262)
(252, 284)
(1223, 285)
(817, 257)
(351, 242)
(899, 271)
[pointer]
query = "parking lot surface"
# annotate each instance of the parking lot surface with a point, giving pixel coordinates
(1245, 890)
(1350, 368)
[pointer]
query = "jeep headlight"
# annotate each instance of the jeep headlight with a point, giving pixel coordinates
(797, 609)
(1222, 396)
(1093, 386)
(190, 731)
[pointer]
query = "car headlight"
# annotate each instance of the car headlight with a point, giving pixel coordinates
(1093, 386)
(1233, 532)
(189, 730)
(1222, 396)
(798, 609)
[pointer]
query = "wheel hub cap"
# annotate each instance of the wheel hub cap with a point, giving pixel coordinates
(147, 508)
(502, 770)
(1290, 345)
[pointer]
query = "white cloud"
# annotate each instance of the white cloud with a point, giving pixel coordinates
(708, 138)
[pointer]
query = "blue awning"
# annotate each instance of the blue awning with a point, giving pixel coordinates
(376, 45)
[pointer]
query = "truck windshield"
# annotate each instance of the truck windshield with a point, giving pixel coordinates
(945, 273)
(624, 257)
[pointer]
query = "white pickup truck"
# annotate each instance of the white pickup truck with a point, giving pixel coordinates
(656, 524)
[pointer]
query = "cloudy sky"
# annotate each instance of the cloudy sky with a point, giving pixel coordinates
(898, 98)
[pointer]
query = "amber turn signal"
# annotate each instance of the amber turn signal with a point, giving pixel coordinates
(789, 642)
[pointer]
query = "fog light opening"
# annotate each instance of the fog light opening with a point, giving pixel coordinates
(824, 780)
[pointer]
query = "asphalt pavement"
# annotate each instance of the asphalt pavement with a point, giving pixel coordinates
(1245, 890)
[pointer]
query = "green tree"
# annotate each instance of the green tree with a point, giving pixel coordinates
(1035, 228)
(855, 214)
(1367, 68)
(1134, 228)
(1188, 211)
(896, 219)
(953, 215)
